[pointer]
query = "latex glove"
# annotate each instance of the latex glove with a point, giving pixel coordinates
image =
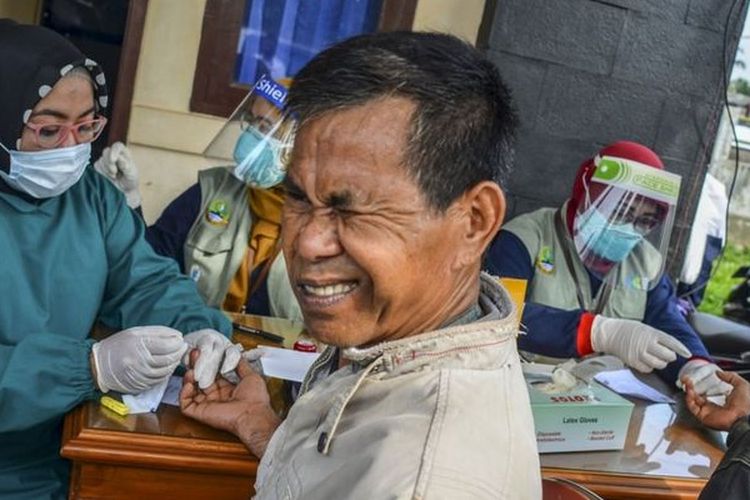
(252, 356)
(133, 360)
(118, 166)
(636, 344)
(217, 355)
(702, 374)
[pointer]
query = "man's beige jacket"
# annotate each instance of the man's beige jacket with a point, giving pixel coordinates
(443, 414)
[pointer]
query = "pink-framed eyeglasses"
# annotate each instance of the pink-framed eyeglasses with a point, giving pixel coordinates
(51, 135)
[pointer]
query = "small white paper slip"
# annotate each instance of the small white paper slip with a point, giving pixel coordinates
(145, 401)
(172, 394)
(286, 363)
(624, 382)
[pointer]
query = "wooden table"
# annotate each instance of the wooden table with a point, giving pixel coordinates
(164, 454)
(667, 455)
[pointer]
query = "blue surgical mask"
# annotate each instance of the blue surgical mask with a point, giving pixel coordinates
(610, 241)
(258, 159)
(47, 173)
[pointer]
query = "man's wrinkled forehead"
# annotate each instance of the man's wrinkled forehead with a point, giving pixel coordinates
(353, 140)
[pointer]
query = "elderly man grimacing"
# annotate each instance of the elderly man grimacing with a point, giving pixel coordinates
(393, 195)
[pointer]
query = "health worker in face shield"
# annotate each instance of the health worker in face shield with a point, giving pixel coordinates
(72, 254)
(595, 270)
(224, 230)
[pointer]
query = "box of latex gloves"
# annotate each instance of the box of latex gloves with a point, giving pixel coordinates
(573, 415)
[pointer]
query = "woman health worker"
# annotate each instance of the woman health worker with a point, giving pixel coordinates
(72, 253)
(595, 270)
(224, 231)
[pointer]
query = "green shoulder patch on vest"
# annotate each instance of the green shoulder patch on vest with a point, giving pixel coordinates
(545, 261)
(637, 282)
(218, 213)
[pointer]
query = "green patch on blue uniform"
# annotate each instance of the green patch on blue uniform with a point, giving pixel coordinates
(218, 213)
(545, 260)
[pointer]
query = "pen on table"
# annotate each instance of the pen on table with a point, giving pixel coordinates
(260, 333)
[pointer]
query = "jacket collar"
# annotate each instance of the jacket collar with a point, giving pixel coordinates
(498, 322)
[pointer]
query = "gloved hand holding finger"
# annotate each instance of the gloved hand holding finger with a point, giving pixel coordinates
(212, 346)
(702, 374)
(232, 356)
(253, 354)
(253, 357)
(136, 359)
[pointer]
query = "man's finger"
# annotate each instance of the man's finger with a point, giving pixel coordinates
(683, 383)
(732, 378)
(694, 408)
(700, 399)
(188, 389)
(243, 369)
(212, 392)
(195, 355)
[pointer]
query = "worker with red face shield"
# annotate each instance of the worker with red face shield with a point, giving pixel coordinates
(595, 270)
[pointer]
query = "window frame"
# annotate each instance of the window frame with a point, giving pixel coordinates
(214, 90)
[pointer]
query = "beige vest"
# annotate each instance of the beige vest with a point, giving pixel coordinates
(554, 283)
(214, 249)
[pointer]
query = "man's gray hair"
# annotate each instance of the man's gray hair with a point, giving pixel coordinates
(463, 127)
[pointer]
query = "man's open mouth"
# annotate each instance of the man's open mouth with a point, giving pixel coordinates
(329, 290)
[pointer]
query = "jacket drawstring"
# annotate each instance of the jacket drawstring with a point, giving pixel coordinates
(324, 442)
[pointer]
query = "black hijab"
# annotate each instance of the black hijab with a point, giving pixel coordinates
(32, 60)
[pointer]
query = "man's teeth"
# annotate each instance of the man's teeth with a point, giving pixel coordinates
(328, 290)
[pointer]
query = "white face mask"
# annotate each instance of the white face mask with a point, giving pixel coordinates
(47, 173)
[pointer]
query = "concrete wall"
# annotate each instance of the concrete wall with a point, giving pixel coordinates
(166, 138)
(458, 17)
(586, 73)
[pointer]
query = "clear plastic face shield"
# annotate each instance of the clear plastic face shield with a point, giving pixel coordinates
(626, 218)
(257, 138)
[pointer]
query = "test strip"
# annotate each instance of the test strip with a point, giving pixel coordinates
(114, 405)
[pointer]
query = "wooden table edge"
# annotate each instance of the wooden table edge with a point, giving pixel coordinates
(611, 484)
(151, 450)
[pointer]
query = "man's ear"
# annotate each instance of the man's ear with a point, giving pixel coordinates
(484, 211)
